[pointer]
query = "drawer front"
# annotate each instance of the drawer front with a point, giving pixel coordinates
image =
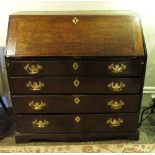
(75, 103)
(74, 85)
(29, 68)
(77, 123)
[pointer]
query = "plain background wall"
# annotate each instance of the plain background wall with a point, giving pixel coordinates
(145, 8)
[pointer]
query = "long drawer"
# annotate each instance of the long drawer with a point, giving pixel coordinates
(132, 67)
(83, 123)
(75, 103)
(74, 85)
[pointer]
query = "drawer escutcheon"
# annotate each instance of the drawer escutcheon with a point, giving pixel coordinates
(77, 119)
(115, 104)
(75, 20)
(35, 86)
(36, 105)
(117, 68)
(116, 86)
(75, 65)
(113, 122)
(76, 100)
(40, 123)
(33, 69)
(76, 82)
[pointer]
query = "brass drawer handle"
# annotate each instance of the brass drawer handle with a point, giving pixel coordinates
(76, 100)
(76, 82)
(36, 105)
(75, 20)
(40, 123)
(117, 68)
(77, 119)
(115, 105)
(116, 86)
(33, 69)
(113, 122)
(35, 86)
(75, 66)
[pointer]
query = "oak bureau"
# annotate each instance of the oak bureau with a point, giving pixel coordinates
(75, 76)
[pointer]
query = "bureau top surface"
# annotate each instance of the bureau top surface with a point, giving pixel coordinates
(74, 34)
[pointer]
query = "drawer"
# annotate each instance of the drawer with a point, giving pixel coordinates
(82, 123)
(120, 67)
(75, 103)
(74, 85)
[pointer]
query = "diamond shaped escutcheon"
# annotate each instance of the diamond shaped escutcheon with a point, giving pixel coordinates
(76, 100)
(75, 20)
(76, 83)
(75, 66)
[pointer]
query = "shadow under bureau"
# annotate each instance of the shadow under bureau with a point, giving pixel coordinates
(75, 76)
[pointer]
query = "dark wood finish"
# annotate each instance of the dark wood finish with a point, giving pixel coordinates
(54, 42)
(87, 67)
(78, 137)
(81, 137)
(66, 103)
(65, 85)
(57, 35)
(88, 123)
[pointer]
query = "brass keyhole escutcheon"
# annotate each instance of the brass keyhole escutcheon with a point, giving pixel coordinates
(76, 100)
(75, 20)
(76, 82)
(77, 119)
(75, 66)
